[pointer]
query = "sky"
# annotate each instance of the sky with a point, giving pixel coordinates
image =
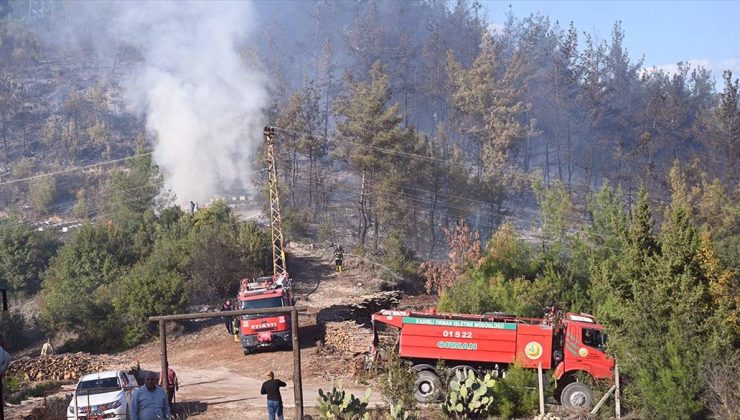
(705, 33)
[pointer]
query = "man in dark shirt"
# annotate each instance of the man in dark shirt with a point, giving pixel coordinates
(271, 388)
(227, 306)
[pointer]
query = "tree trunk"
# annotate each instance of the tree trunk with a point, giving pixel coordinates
(5, 133)
(293, 176)
(363, 213)
(311, 175)
(432, 214)
(546, 172)
(570, 155)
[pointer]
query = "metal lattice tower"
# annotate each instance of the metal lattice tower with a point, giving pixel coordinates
(276, 221)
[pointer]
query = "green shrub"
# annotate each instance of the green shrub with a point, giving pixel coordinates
(18, 391)
(401, 267)
(326, 232)
(295, 224)
(13, 327)
(517, 395)
(470, 295)
(149, 289)
(340, 405)
(396, 384)
(469, 396)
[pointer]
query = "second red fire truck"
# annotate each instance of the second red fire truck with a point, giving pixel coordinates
(569, 345)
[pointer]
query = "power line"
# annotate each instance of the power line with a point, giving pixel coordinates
(583, 188)
(74, 169)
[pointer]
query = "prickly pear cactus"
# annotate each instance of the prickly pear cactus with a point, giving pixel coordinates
(399, 412)
(341, 405)
(470, 397)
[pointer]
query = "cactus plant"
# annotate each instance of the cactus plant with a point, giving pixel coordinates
(341, 405)
(399, 412)
(470, 397)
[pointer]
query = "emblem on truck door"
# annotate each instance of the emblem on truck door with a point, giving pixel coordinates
(533, 350)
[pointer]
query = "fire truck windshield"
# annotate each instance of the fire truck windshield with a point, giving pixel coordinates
(272, 302)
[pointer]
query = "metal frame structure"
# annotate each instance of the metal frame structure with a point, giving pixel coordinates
(276, 221)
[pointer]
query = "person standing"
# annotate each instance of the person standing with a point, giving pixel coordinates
(271, 388)
(227, 306)
(47, 349)
(149, 401)
(338, 257)
(172, 386)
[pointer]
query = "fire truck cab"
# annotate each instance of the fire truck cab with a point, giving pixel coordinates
(265, 331)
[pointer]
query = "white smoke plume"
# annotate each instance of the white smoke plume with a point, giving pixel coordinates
(205, 108)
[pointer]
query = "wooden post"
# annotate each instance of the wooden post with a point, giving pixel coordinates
(602, 400)
(542, 390)
(617, 396)
(74, 396)
(297, 385)
(163, 356)
(2, 400)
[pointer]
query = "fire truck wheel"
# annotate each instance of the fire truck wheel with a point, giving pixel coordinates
(246, 352)
(426, 387)
(576, 395)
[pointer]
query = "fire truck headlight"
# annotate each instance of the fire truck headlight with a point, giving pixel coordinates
(281, 319)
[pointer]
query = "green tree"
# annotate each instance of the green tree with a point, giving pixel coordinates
(153, 287)
(368, 129)
(41, 193)
(662, 329)
(24, 256)
(78, 286)
(555, 210)
(303, 119)
(722, 133)
(135, 190)
(491, 113)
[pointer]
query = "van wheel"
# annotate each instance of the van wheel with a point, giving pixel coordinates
(576, 396)
(427, 387)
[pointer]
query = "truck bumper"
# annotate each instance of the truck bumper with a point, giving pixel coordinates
(280, 339)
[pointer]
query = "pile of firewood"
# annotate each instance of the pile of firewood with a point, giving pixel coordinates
(347, 337)
(360, 312)
(63, 367)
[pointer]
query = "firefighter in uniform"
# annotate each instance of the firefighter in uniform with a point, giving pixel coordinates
(338, 258)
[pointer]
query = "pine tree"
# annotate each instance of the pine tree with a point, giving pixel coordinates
(374, 145)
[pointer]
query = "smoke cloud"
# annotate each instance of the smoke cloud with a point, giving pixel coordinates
(205, 108)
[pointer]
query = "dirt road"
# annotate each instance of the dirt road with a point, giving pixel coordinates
(218, 382)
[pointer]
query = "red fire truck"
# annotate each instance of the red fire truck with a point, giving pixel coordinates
(566, 345)
(265, 331)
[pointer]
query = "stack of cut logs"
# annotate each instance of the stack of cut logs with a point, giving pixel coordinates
(347, 329)
(347, 337)
(362, 311)
(63, 367)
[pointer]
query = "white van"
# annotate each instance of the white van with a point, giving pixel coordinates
(103, 395)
